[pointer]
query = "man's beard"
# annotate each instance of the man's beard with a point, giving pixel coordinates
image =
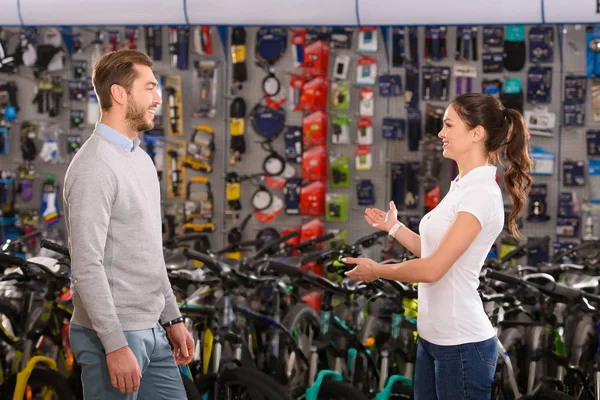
(136, 118)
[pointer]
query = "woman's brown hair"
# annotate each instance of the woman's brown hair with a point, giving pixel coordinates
(503, 127)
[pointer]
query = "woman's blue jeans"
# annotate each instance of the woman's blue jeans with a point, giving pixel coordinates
(463, 372)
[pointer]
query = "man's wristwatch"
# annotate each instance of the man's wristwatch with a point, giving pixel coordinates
(173, 322)
(395, 228)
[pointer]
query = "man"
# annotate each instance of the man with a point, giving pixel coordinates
(113, 214)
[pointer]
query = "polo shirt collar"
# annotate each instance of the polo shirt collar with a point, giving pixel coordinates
(476, 175)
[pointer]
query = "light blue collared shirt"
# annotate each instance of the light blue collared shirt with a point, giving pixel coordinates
(117, 138)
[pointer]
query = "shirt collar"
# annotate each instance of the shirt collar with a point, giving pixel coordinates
(476, 175)
(116, 137)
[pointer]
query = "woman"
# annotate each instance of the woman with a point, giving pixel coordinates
(457, 348)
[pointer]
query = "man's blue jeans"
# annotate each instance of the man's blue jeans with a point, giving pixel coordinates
(463, 372)
(161, 378)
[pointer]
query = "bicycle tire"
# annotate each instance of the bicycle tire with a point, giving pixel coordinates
(258, 384)
(191, 390)
(8, 310)
(339, 390)
(40, 377)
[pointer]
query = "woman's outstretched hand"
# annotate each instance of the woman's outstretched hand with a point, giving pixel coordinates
(381, 220)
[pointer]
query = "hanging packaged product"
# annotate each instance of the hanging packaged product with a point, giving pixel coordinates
(233, 192)
(266, 205)
(466, 43)
(411, 198)
(291, 193)
(568, 205)
(512, 96)
(275, 168)
(78, 90)
(341, 65)
(393, 128)
(365, 192)
(176, 171)
(414, 129)
(50, 196)
(340, 96)
(435, 43)
(567, 227)
(594, 177)
(363, 159)
(293, 144)
(312, 199)
(543, 161)
(366, 72)
(493, 62)
(341, 37)
(9, 106)
(596, 100)
(340, 171)
(493, 36)
(179, 46)
(175, 106)
(364, 133)
(539, 84)
(314, 164)
(314, 129)
(27, 175)
(367, 102)
(74, 143)
(436, 83)
(367, 39)
(493, 87)
(4, 140)
(592, 49)
(238, 56)
(237, 130)
(266, 122)
(540, 121)
(199, 203)
(390, 86)
(398, 46)
(541, 44)
(464, 74)
(411, 94)
(202, 43)
(298, 45)
(314, 95)
(205, 87)
(271, 44)
(154, 42)
(316, 58)
(77, 119)
(340, 129)
(154, 142)
(514, 48)
(537, 203)
(337, 207)
(573, 173)
(434, 120)
(201, 149)
(575, 101)
(312, 229)
(593, 143)
(295, 91)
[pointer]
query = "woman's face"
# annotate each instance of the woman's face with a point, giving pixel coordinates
(456, 136)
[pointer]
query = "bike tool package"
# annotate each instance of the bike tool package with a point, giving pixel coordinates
(314, 164)
(414, 126)
(574, 103)
(293, 144)
(291, 193)
(233, 192)
(238, 56)
(340, 171)
(25, 184)
(405, 185)
(365, 193)
(543, 161)
(493, 36)
(271, 44)
(337, 207)
(312, 199)
(540, 121)
(201, 149)
(593, 143)
(298, 44)
(341, 37)
(431, 167)
(493, 62)
(316, 58)
(466, 43)
(205, 89)
(435, 43)
(514, 48)
(367, 102)
(573, 173)
(390, 86)
(492, 87)
(539, 84)
(464, 74)
(27, 136)
(538, 207)
(398, 46)
(9, 106)
(202, 40)
(363, 159)
(199, 203)
(315, 93)
(411, 94)
(237, 130)
(512, 96)
(364, 132)
(176, 171)
(275, 167)
(80, 69)
(266, 205)
(367, 39)
(295, 91)
(268, 123)
(340, 96)
(592, 35)
(366, 72)
(154, 142)
(341, 66)
(179, 47)
(314, 129)
(340, 129)
(393, 128)
(541, 44)
(434, 120)
(74, 143)
(175, 105)
(154, 42)
(78, 90)
(436, 83)
(48, 95)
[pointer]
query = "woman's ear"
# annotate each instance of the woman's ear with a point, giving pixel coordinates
(478, 134)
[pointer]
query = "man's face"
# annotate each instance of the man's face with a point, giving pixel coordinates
(142, 100)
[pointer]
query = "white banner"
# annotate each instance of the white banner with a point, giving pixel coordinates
(572, 11)
(10, 13)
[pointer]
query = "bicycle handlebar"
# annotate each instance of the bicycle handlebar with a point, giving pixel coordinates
(308, 243)
(234, 246)
(24, 264)
(524, 247)
(55, 247)
(262, 251)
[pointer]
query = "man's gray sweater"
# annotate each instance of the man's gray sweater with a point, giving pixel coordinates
(114, 223)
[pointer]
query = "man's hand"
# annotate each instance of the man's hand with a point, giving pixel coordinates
(183, 343)
(363, 270)
(124, 370)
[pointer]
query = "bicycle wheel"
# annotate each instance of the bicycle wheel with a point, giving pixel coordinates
(243, 383)
(40, 381)
(332, 390)
(190, 388)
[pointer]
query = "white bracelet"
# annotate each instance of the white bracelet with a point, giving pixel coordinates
(395, 228)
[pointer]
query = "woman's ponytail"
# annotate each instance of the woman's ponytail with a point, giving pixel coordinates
(516, 179)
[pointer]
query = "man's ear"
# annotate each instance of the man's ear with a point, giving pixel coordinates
(118, 94)
(478, 134)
